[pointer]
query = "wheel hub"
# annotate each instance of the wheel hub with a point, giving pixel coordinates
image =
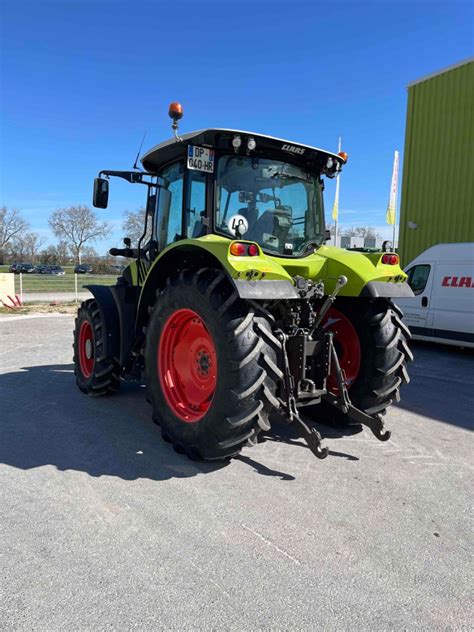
(85, 349)
(88, 348)
(187, 365)
(204, 362)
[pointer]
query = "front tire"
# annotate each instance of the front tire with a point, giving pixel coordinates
(96, 374)
(210, 366)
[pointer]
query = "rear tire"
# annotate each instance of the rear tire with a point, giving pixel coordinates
(96, 374)
(240, 366)
(383, 340)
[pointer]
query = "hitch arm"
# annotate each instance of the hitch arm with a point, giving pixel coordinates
(344, 404)
(311, 435)
(375, 423)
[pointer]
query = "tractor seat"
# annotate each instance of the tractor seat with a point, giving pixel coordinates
(199, 229)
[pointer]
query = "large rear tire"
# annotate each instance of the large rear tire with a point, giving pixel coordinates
(96, 373)
(210, 366)
(375, 377)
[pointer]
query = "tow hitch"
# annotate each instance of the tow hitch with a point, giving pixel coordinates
(299, 389)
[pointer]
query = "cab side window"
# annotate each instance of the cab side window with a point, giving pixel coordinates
(196, 209)
(170, 220)
(418, 278)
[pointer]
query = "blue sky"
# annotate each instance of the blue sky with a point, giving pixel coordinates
(81, 81)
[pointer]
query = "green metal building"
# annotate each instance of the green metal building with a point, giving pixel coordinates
(438, 176)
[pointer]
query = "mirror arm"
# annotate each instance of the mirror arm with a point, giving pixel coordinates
(129, 176)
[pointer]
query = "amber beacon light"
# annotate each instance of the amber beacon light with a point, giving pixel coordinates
(343, 155)
(175, 111)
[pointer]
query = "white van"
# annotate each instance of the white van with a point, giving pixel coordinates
(442, 310)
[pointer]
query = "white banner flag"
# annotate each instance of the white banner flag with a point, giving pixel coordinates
(335, 208)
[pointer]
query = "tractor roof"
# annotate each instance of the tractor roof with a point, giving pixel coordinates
(221, 139)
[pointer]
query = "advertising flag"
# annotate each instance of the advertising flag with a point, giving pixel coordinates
(335, 208)
(392, 202)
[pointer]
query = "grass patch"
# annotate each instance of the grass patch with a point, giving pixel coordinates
(50, 283)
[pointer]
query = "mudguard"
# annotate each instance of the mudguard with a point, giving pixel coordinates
(109, 316)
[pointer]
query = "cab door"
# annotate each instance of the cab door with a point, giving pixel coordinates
(418, 315)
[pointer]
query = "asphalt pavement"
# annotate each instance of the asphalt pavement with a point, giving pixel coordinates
(105, 527)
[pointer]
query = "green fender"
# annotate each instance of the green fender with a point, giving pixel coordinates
(267, 277)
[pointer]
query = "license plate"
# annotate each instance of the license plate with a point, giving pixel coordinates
(201, 159)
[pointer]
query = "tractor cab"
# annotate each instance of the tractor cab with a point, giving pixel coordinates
(235, 184)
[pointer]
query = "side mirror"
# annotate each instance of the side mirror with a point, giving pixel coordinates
(127, 242)
(327, 234)
(100, 198)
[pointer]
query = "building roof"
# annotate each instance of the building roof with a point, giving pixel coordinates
(469, 60)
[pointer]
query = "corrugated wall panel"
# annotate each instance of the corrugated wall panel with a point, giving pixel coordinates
(438, 171)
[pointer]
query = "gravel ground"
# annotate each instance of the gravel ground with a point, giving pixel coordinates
(49, 297)
(104, 527)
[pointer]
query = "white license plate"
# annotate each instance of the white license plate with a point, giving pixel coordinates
(201, 159)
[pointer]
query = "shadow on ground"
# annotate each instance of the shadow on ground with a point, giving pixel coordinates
(442, 384)
(46, 420)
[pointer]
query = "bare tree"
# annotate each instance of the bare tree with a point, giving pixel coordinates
(25, 246)
(90, 254)
(78, 225)
(33, 244)
(12, 224)
(361, 231)
(17, 247)
(133, 224)
(49, 255)
(62, 251)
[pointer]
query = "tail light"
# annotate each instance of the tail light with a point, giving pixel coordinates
(390, 260)
(238, 249)
(252, 250)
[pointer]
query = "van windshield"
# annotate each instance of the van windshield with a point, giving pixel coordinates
(277, 204)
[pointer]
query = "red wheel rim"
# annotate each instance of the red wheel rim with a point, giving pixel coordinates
(346, 342)
(86, 349)
(187, 365)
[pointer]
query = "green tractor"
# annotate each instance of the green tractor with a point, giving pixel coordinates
(233, 305)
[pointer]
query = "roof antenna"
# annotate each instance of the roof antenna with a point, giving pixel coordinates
(135, 166)
(175, 112)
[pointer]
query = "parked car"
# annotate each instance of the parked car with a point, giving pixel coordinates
(50, 269)
(28, 268)
(25, 268)
(442, 310)
(83, 268)
(57, 270)
(43, 269)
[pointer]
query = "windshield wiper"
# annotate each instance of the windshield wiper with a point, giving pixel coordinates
(288, 176)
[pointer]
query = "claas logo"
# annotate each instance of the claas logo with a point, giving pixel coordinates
(465, 281)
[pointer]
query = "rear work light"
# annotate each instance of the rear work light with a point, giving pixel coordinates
(238, 249)
(390, 260)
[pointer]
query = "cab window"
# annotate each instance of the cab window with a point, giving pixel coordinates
(418, 278)
(170, 212)
(196, 206)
